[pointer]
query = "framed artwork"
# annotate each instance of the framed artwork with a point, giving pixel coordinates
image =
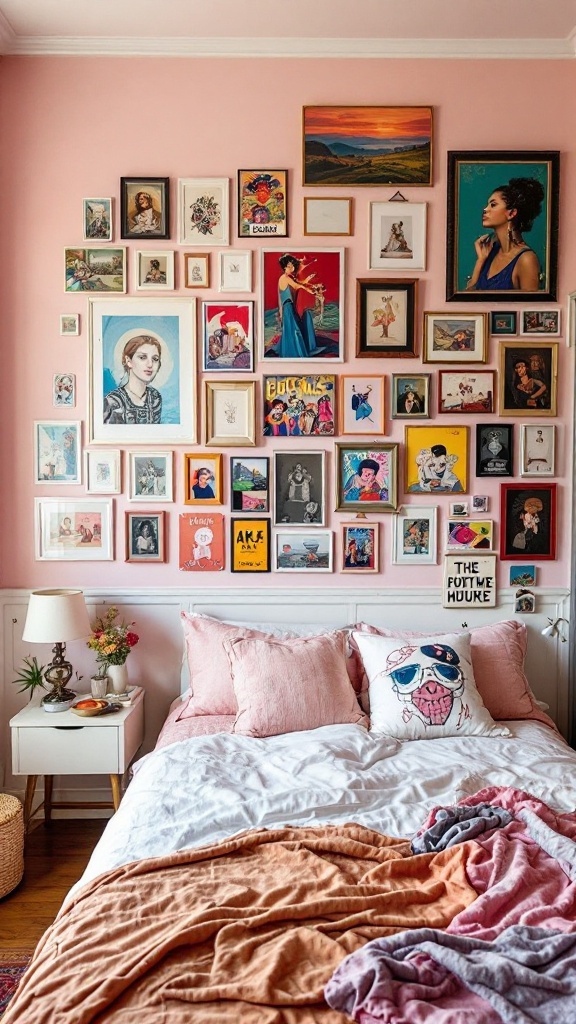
(329, 215)
(145, 536)
(469, 581)
(71, 530)
(70, 323)
(197, 270)
(436, 459)
(300, 406)
(522, 575)
(228, 335)
(538, 449)
(229, 413)
(154, 271)
(524, 602)
(469, 392)
(359, 551)
(97, 220)
(385, 318)
(502, 239)
(300, 488)
(361, 404)
(262, 203)
(494, 449)
(103, 470)
(480, 503)
(410, 396)
(469, 534)
(202, 478)
(528, 522)
(303, 551)
(95, 270)
(571, 323)
(250, 483)
(458, 338)
(310, 324)
(415, 538)
(540, 321)
(366, 477)
(142, 371)
(367, 146)
(151, 476)
(397, 236)
(202, 544)
(64, 390)
(503, 323)
(145, 207)
(528, 375)
(57, 451)
(250, 545)
(459, 508)
(235, 271)
(203, 211)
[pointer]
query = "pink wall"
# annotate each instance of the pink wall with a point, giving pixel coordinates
(70, 127)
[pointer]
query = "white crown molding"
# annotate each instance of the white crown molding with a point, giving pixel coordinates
(126, 46)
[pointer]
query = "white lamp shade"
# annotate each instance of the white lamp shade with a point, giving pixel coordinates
(56, 616)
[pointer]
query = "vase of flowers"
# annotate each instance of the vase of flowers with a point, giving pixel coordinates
(112, 641)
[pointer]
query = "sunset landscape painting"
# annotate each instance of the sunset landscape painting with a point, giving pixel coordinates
(367, 146)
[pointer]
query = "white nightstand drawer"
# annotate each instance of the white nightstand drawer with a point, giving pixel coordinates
(66, 751)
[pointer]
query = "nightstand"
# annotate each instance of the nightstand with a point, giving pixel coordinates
(63, 743)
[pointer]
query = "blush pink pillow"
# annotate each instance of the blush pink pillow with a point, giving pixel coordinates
(288, 685)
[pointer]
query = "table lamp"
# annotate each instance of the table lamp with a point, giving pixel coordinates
(57, 616)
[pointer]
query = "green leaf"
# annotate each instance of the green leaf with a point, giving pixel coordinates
(31, 675)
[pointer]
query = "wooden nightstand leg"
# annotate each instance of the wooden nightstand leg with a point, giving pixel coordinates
(48, 782)
(115, 784)
(30, 789)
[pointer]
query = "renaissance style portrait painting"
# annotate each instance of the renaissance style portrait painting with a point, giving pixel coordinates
(144, 208)
(302, 304)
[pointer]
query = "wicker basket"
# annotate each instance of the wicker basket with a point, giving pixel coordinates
(11, 843)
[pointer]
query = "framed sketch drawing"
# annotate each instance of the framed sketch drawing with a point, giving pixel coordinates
(303, 551)
(197, 270)
(366, 477)
(97, 220)
(262, 203)
(142, 371)
(308, 284)
(154, 271)
(329, 215)
(151, 476)
(57, 451)
(359, 552)
(528, 376)
(145, 536)
(145, 207)
(95, 270)
(436, 459)
(299, 405)
(528, 522)
(203, 211)
(228, 335)
(235, 271)
(397, 236)
(538, 449)
(455, 338)
(410, 396)
(103, 470)
(300, 488)
(385, 318)
(361, 404)
(69, 530)
(229, 413)
(502, 239)
(415, 539)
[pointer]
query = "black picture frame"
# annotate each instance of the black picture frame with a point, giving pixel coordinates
(504, 322)
(250, 476)
(250, 545)
(151, 221)
(494, 449)
(520, 505)
(385, 318)
(474, 175)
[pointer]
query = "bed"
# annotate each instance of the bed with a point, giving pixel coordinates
(335, 824)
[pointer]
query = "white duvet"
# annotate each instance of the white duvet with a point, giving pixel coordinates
(200, 790)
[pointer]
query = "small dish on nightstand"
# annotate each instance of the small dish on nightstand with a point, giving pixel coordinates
(89, 707)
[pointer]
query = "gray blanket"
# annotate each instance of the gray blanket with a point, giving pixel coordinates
(457, 824)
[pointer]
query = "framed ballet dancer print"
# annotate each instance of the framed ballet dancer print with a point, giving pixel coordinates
(361, 404)
(397, 236)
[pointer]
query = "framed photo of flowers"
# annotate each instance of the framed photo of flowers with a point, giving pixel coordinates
(202, 478)
(145, 207)
(528, 522)
(228, 336)
(470, 392)
(250, 545)
(308, 285)
(528, 377)
(300, 488)
(397, 236)
(57, 451)
(230, 413)
(203, 211)
(455, 338)
(361, 404)
(385, 323)
(150, 476)
(415, 539)
(359, 551)
(410, 396)
(250, 483)
(299, 406)
(366, 477)
(262, 203)
(436, 459)
(145, 536)
(68, 530)
(538, 449)
(103, 470)
(303, 551)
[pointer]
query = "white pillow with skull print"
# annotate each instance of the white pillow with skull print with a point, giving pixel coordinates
(423, 688)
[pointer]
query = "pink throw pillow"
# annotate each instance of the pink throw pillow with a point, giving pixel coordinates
(289, 685)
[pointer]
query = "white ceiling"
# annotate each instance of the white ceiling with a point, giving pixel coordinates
(372, 28)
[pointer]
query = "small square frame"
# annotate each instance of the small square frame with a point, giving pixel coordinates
(138, 223)
(210, 491)
(154, 270)
(505, 322)
(149, 547)
(57, 452)
(519, 503)
(230, 413)
(87, 537)
(397, 236)
(103, 470)
(235, 270)
(455, 338)
(310, 551)
(329, 216)
(70, 324)
(385, 318)
(196, 270)
(150, 476)
(537, 449)
(466, 393)
(250, 542)
(359, 547)
(415, 538)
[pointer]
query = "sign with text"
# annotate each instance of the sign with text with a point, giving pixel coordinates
(469, 582)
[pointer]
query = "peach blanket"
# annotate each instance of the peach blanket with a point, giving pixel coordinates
(248, 930)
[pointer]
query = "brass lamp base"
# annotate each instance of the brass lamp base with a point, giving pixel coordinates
(58, 674)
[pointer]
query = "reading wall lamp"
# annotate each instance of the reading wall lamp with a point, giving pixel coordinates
(554, 629)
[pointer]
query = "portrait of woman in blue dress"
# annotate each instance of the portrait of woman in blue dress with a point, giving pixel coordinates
(504, 261)
(302, 300)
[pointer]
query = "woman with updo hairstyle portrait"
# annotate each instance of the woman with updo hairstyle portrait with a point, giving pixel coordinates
(135, 400)
(504, 261)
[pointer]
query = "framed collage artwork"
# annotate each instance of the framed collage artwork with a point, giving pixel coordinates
(250, 483)
(228, 336)
(303, 551)
(308, 284)
(95, 270)
(299, 406)
(145, 536)
(366, 477)
(415, 539)
(385, 318)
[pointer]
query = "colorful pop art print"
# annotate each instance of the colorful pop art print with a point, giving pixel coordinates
(151, 476)
(359, 552)
(528, 377)
(302, 304)
(528, 522)
(145, 536)
(299, 406)
(145, 207)
(303, 551)
(95, 270)
(203, 211)
(361, 405)
(494, 449)
(300, 488)
(367, 145)
(57, 451)
(142, 371)
(103, 469)
(262, 203)
(250, 483)
(505, 322)
(197, 270)
(202, 478)
(228, 335)
(469, 534)
(415, 540)
(397, 236)
(64, 390)
(201, 541)
(69, 530)
(410, 396)
(471, 392)
(436, 459)
(70, 323)
(488, 191)
(154, 270)
(250, 545)
(538, 449)
(522, 575)
(455, 338)
(366, 477)
(385, 318)
(97, 220)
(230, 413)
(540, 321)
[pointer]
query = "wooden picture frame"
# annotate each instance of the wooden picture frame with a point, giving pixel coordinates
(97, 220)
(436, 459)
(203, 478)
(71, 530)
(503, 322)
(466, 393)
(494, 449)
(250, 543)
(95, 270)
(540, 323)
(415, 537)
(227, 336)
(308, 551)
(361, 404)
(262, 203)
(103, 470)
(328, 215)
(528, 376)
(204, 211)
(57, 452)
(397, 236)
(359, 547)
(410, 398)
(299, 405)
(530, 179)
(230, 413)
(385, 318)
(154, 270)
(537, 449)
(300, 489)
(250, 484)
(455, 338)
(196, 270)
(145, 536)
(366, 477)
(150, 476)
(144, 207)
(528, 522)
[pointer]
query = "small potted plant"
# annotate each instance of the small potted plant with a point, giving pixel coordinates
(31, 676)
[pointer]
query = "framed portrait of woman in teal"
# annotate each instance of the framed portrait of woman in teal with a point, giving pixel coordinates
(502, 236)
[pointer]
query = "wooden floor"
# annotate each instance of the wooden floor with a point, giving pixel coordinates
(55, 857)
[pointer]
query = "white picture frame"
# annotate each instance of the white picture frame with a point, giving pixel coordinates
(537, 449)
(57, 452)
(235, 270)
(74, 531)
(204, 211)
(540, 323)
(397, 236)
(328, 215)
(310, 551)
(154, 270)
(150, 475)
(97, 220)
(64, 390)
(102, 467)
(70, 324)
(415, 538)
